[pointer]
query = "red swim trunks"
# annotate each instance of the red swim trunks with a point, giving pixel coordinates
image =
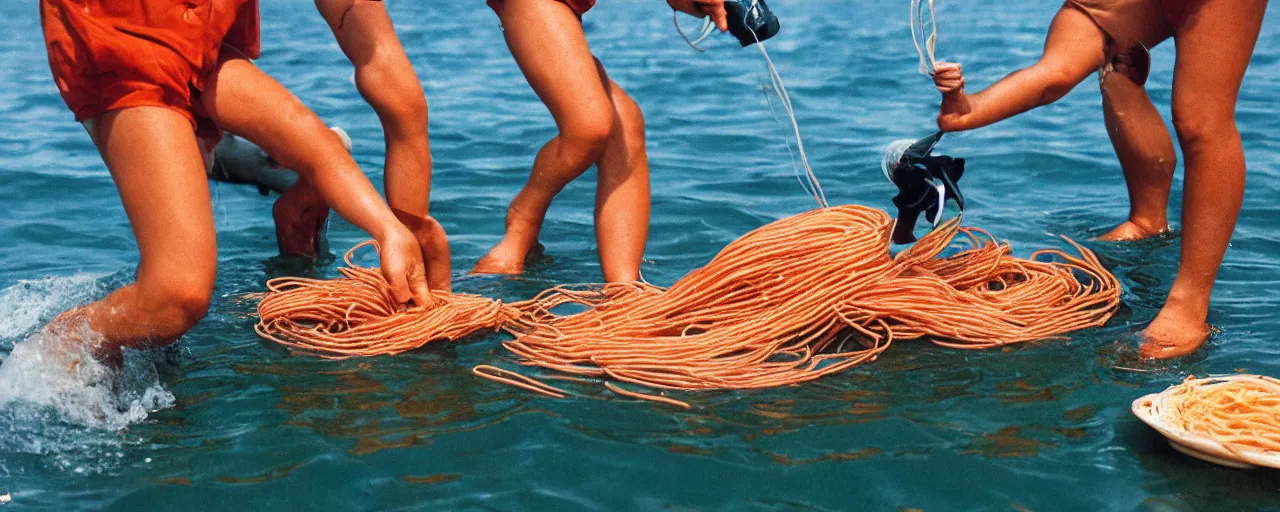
(579, 7)
(113, 54)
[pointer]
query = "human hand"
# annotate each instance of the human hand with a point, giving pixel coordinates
(948, 77)
(402, 266)
(956, 105)
(702, 9)
(433, 242)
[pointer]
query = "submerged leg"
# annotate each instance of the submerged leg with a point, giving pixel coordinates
(547, 42)
(622, 192)
(1145, 149)
(158, 170)
(300, 214)
(1214, 45)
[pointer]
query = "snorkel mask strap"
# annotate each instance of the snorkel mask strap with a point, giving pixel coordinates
(925, 44)
(750, 21)
(708, 28)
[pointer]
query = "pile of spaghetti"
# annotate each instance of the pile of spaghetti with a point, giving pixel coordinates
(1238, 413)
(797, 299)
(358, 316)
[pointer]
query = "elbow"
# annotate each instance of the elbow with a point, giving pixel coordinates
(1057, 83)
(953, 123)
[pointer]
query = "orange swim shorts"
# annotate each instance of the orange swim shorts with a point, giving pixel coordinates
(113, 54)
(579, 7)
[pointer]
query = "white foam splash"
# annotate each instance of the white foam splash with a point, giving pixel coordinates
(40, 388)
(29, 304)
(36, 381)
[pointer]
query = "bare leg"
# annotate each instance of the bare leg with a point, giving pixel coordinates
(386, 79)
(1214, 48)
(1072, 52)
(158, 170)
(1146, 155)
(622, 191)
(547, 42)
(246, 102)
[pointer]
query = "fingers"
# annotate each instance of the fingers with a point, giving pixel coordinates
(402, 266)
(702, 9)
(433, 243)
(948, 77)
(947, 67)
(948, 71)
(949, 86)
(438, 260)
(396, 274)
(418, 285)
(715, 9)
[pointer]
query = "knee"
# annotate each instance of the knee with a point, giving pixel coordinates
(190, 304)
(588, 135)
(297, 118)
(179, 305)
(1058, 81)
(629, 114)
(304, 129)
(1198, 126)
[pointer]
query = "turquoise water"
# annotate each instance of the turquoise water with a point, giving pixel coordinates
(228, 421)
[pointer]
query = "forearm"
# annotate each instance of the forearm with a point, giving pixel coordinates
(346, 190)
(1014, 94)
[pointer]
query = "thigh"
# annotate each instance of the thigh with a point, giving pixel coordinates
(156, 164)
(547, 42)
(1214, 46)
(362, 27)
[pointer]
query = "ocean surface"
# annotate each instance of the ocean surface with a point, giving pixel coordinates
(229, 422)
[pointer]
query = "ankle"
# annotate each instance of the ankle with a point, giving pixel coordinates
(1150, 224)
(522, 227)
(1189, 306)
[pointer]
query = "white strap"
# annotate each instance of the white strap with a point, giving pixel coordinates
(918, 36)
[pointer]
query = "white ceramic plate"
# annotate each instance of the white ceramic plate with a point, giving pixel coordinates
(1197, 445)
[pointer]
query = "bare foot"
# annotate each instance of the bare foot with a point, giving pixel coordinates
(1129, 230)
(519, 242)
(1172, 335)
(300, 214)
(504, 259)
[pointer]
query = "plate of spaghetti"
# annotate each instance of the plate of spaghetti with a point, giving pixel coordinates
(1232, 420)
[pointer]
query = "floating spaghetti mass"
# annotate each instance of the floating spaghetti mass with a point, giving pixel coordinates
(797, 299)
(1239, 412)
(358, 316)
